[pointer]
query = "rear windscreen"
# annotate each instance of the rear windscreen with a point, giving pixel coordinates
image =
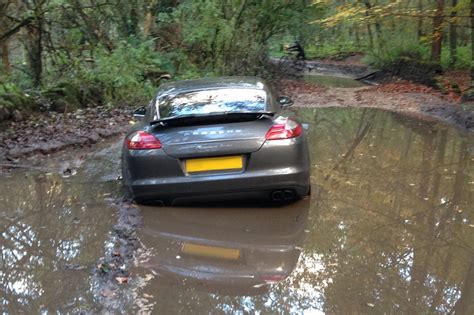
(213, 102)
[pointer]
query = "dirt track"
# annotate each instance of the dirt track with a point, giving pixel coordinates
(424, 104)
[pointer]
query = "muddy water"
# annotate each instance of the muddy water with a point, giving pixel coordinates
(389, 228)
(334, 80)
(55, 223)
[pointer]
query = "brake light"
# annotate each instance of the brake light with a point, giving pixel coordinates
(142, 140)
(284, 128)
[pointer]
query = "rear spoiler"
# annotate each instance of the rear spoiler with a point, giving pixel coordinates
(185, 119)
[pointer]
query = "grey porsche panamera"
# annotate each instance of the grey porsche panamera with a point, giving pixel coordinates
(216, 138)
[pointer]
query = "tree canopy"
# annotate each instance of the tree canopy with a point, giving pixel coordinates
(118, 51)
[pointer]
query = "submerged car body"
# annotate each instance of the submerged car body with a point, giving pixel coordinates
(221, 137)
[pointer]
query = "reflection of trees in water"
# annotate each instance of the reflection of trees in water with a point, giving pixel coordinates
(213, 101)
(392, 216)
(282, 298)
(390, 224)
(46, 228)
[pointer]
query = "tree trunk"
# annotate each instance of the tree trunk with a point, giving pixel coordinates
(437, 32)
(6, 57)
(469, 95)
(149, 17)
(453, 35)
(472, 48)
(369, 30)
(472, 45)
(420, 19)
(34, 39)
(357, 37)
(34, 49)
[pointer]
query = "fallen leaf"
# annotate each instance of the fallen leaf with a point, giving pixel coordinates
(108, 293)
(103, 267)
(122, 280)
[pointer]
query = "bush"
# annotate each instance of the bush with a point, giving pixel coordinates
(463, 61)
(396, 48)
(339, 50)
(410, 66)
(129, 73)
(64, 96)
(14, 99)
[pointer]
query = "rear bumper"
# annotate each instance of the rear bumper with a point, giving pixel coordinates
(278, 165)
(242, 185)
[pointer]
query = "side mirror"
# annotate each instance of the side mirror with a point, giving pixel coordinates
(284, 101)
(139, 113)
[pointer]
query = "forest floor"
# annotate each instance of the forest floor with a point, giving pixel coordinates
(46, 133)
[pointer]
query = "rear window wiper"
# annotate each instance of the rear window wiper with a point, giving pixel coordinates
(164, 121)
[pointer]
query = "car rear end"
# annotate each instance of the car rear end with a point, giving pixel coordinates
(231, 154)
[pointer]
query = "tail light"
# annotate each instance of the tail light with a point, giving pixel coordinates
(142, 140)
(284, 128)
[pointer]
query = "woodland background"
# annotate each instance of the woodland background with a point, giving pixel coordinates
(60, 55)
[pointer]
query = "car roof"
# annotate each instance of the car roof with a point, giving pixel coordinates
(212, 83)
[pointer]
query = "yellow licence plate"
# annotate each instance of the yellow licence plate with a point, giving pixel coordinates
(214, 164)
(211, 251)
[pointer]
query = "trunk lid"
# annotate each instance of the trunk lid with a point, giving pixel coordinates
(193, 141)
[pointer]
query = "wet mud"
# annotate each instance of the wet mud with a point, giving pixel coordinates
(415, 103)
(389, 228)
(332, 81)
(51, 132)
(340, 69)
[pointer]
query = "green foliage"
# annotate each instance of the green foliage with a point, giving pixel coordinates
(337, 50)
(232, 37)
(398, 48)
(6, 87)
(14, 99)
(97, 54)
(401, 46)
(130, 73)
(94, 53)
(64, 97)
(386, 30)
(463, 60)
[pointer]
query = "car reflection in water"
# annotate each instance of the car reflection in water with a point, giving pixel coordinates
(237, 251)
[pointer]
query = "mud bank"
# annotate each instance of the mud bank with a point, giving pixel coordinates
(350, 70)
(422, 103)
(47, 133)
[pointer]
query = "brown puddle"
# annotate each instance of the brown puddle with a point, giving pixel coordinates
(337, 81)
(389, 229)
(54, 226)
